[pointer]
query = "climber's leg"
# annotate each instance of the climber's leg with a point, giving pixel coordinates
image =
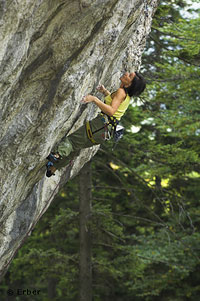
(68, 148)
(72, 144)
(79, 138)
(64, 151)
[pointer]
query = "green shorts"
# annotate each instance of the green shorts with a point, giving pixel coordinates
(72, 144)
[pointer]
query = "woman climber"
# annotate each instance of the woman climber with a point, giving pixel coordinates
(98, 130)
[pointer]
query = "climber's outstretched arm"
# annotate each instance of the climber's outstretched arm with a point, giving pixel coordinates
(107, 109)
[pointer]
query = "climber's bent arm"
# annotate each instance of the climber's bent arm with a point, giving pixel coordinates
(108, 109)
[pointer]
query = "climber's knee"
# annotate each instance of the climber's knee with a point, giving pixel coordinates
(65, 147)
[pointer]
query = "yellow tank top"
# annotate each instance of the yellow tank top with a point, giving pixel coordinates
(122, 108)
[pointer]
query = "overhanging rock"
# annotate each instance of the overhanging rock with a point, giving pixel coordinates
(52, 53)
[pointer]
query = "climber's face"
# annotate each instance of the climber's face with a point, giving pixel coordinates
(127, 78)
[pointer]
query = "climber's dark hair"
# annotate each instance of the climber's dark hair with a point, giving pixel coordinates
(138, 85)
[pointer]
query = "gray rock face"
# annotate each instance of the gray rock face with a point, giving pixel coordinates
(52, 53)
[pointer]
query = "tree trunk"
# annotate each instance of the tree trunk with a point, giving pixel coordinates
(85, 268)
(52, 288)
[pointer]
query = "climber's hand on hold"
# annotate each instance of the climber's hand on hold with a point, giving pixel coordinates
(88, 98)
(101, 88)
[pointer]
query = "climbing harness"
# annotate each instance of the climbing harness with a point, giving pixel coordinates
(111, 128)
(107, 120)
(90, 133)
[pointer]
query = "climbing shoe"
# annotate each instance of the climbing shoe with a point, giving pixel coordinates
(50, 169)
(53, 157)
